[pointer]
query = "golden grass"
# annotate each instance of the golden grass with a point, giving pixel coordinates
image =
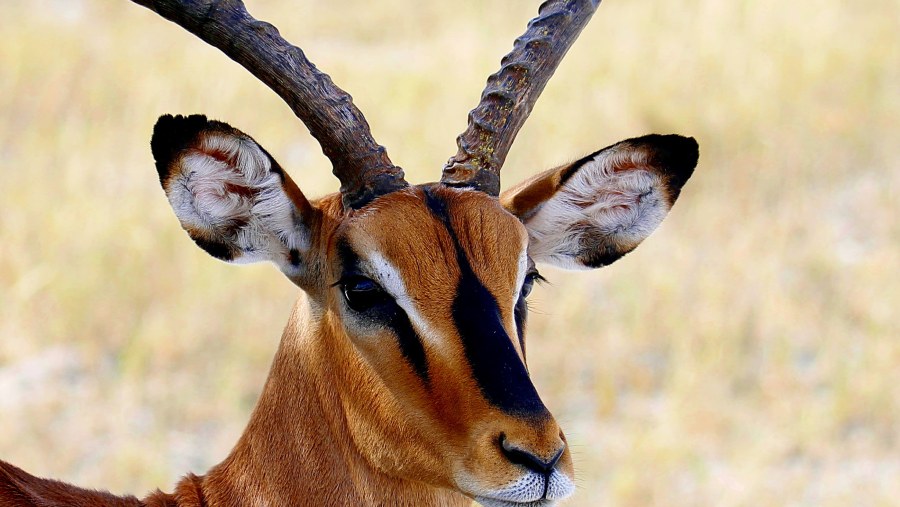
(747, 354)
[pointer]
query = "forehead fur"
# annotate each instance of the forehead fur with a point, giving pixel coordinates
(408, 233)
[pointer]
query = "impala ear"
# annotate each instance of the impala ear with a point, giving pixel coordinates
(592, 212)
(230, 195)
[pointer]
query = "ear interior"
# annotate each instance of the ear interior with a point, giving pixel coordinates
(229, 194)
(590, 213)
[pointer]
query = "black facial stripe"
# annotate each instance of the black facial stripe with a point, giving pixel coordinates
(497, 369)
(349, 259)
(392, 316)
(410, 344)
(521, 315)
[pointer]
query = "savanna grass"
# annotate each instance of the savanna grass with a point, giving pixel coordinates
(747, 354)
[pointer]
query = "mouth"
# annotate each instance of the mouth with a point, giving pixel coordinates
(493, 502)
(530, 490)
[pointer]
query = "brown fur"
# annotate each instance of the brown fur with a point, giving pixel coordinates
(20, 489)
(523, 199)
(344, 418)
(326, 428)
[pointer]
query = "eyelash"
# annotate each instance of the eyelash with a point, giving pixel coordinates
(537, 277)
(530, 278)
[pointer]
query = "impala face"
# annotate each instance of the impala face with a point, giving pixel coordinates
(427, 287)
(431, 285)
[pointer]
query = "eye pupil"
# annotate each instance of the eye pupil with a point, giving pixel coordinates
(528, 285)
(526, 289)
(362, 293)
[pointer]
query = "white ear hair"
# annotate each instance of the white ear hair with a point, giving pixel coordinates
(230, 195)
(614, 200)
(225, 190)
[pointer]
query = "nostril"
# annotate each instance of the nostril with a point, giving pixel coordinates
(527, 459)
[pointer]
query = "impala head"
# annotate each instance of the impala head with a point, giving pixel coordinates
(428, 284)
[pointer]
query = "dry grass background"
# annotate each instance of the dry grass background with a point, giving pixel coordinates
(747, 354)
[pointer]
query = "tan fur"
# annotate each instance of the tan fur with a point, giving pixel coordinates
(344, 417)
(327, 426)
(456, 419)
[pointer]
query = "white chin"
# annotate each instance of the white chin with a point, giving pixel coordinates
(492, 502)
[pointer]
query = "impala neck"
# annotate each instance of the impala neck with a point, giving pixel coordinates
(300, 446)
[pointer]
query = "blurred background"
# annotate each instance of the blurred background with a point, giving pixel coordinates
(748, 353)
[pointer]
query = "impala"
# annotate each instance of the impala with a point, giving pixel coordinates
(401, 376)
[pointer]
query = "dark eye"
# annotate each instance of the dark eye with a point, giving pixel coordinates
(528, 285)
(362, 293)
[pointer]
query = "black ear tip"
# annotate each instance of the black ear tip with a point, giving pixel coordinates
(676, 156)
(172, 134)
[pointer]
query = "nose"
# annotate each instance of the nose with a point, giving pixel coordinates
(540, 462)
